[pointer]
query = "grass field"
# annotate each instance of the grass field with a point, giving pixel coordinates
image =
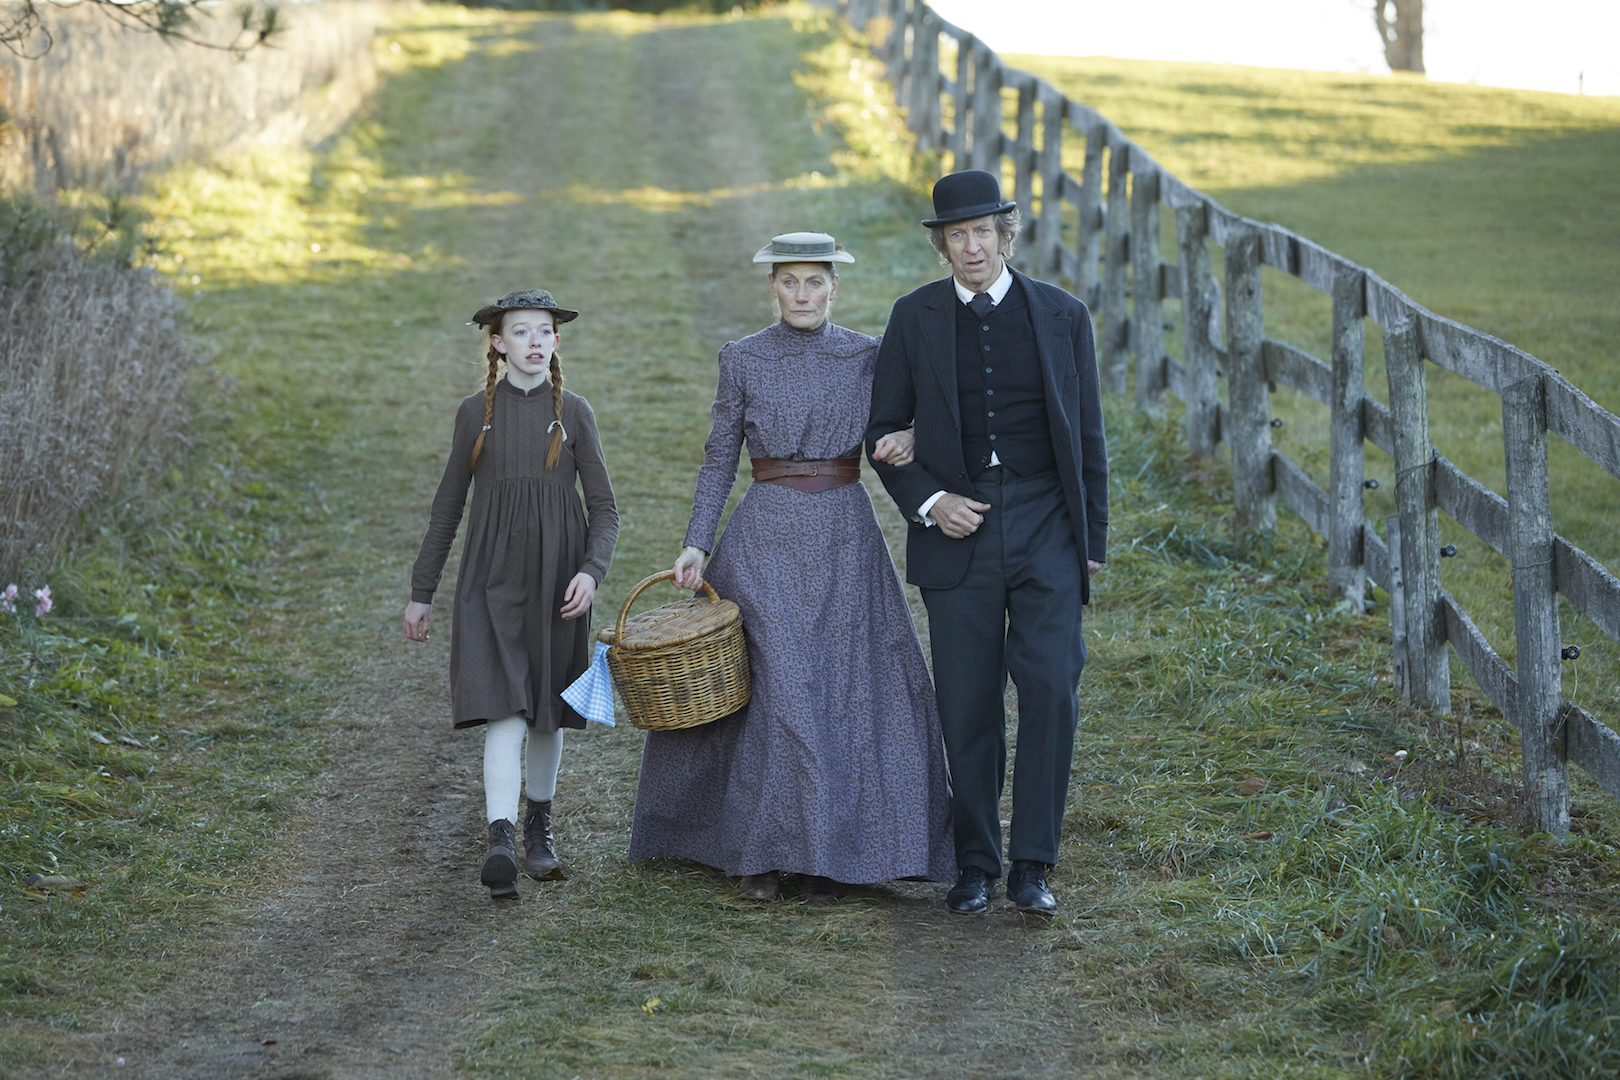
(1485, 205)
(1253, 881)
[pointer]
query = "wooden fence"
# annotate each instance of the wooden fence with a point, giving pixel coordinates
(1126, 283)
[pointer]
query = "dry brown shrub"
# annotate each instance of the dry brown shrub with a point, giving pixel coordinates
(92, 366)
(107, 102)
(92, 362)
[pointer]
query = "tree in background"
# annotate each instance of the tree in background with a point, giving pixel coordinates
(1400, 28)
(24, 32)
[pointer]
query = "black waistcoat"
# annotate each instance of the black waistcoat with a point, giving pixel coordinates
(999, 387)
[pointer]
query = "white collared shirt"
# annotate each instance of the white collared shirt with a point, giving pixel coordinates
(998, 293)
(997, 290)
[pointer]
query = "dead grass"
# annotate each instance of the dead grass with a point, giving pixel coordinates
(92, 357)
(108, 104)
(93, 366)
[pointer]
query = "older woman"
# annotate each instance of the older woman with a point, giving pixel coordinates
(835, 769)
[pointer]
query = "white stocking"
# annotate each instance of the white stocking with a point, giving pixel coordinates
(545, 754)
(503, 752)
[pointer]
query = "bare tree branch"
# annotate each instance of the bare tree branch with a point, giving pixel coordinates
(25, 33)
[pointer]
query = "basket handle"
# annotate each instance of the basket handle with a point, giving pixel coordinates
(641, 586)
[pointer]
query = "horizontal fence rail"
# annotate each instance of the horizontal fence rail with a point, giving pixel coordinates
(1116, 266)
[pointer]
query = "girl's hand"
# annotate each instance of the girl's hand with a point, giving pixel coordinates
(895, 447)
(577, 600)
(689, 568)
(416, 620)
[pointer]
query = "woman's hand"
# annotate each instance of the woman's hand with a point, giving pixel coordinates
(895, 448)
(416, 620)
(689, 568)
(577, 600)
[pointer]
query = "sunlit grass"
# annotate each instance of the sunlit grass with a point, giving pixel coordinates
(1221, 127)
(1252, 881)
(1488, 206)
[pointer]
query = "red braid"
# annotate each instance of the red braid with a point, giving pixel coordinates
(489, 393)
(556, 407)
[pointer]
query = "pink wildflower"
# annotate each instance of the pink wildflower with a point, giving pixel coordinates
(8, 599)
(44, 597)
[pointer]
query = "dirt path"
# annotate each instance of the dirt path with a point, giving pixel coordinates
(653, 162)
(365, 958)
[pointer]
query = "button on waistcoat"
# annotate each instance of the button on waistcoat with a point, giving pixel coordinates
(999, 387)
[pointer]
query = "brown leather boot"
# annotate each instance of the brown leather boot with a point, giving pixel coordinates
(500, 865)
(539, 860)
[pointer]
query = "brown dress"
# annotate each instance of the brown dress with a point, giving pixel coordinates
(511, 651)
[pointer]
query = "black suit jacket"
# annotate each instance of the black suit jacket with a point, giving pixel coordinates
(915, 386)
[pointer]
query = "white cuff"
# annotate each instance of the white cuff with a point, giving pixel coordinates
(922, 511)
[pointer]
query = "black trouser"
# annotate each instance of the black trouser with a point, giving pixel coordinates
(1016, 612)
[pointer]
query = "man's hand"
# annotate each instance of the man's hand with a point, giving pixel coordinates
(958, 516)
(895, 448)
(1092, 566)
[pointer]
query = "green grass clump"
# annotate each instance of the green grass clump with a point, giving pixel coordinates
(1543, 1007)
(1322, 893)
(150, 743)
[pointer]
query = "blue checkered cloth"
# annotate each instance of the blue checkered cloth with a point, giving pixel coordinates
(591, 694)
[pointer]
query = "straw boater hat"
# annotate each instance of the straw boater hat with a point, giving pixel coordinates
(802, 247)
(523, 300)
(963, 196)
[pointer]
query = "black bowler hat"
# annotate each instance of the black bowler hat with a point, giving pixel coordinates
(962, 196)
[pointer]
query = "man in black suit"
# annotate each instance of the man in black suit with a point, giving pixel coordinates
(1008, 499)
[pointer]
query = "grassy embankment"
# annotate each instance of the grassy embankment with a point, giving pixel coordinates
(1485, 205)
(1245, 885)
(157, 724)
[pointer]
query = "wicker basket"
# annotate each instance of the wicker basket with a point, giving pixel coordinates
(679, 665)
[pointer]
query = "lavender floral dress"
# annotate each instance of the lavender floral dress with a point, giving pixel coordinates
(836, 766)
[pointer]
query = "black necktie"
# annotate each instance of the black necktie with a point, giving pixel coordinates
(981, 304)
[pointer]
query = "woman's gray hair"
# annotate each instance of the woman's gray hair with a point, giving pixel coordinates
(1008, 226)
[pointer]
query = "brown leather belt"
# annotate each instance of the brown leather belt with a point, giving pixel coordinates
(807, 475)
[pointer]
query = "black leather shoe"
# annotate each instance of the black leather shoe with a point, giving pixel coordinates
(1026, 888)
(815, 889)
(972, 892)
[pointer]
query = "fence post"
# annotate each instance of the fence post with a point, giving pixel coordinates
(1116, 334)
(1088, 286)
(1397, 609)
(1347, 574)
(1197, 311)
(1147, 296)
(960, 103)
(934, 111)
(1535, 605)
(925, 79)
(1024, 173)
(1049, 235)
(899, 19)
(1254, 488)
(986, 153)
(1427, 659)
(905, 89)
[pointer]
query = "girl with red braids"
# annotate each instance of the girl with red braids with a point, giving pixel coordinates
(533, 559)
